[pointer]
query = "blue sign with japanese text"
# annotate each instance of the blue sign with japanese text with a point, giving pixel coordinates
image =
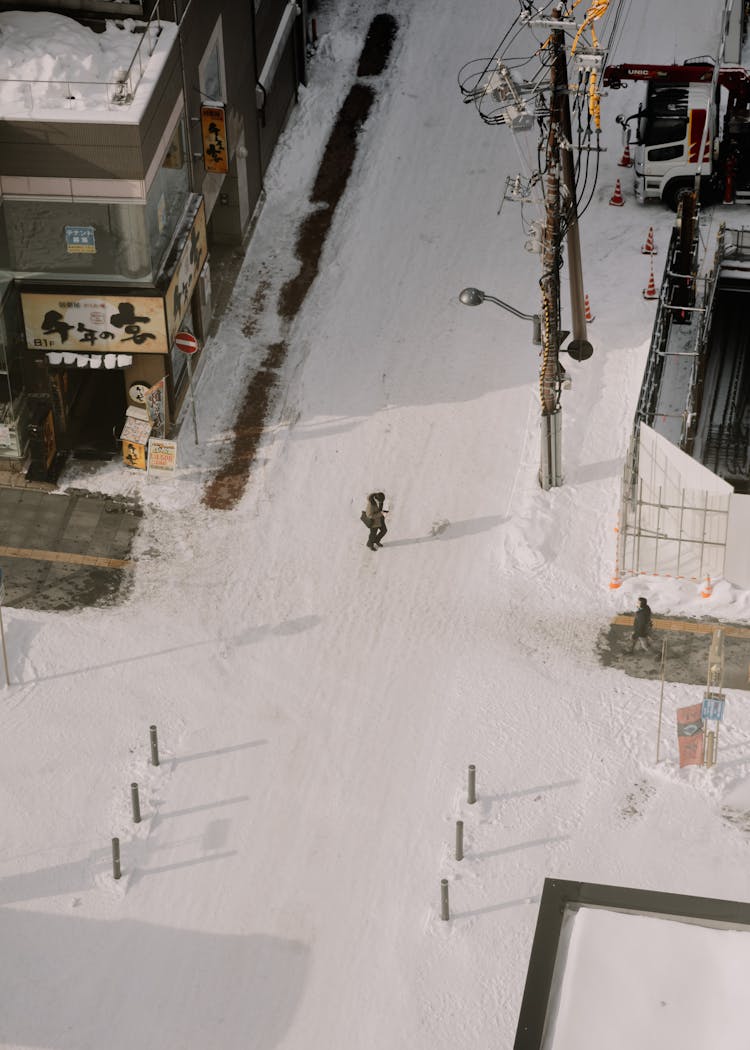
(80, 239)
(713, 709)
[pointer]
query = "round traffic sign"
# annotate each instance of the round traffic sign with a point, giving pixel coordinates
(186, 342)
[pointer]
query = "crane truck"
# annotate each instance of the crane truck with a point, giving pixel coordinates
(687, 106)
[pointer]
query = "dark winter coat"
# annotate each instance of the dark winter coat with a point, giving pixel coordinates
(642, 622)
(374, 511)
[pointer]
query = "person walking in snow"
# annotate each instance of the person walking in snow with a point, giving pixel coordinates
(641, 625)
(374, 517)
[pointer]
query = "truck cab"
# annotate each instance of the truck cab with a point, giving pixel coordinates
(686, 105)
(669, 130)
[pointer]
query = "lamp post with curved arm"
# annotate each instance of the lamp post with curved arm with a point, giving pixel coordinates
(475, 297)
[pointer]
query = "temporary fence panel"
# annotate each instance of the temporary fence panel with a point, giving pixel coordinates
(737, 566)
(675, 513)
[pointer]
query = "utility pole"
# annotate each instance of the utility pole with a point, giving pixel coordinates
(579, 348)
(502, 99)
(550, 466)
(559, 161)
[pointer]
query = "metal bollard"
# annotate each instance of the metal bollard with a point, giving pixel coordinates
(116, 858)
(135, 803)
(444, 909)
(459, 840)
(154, 747)
(472, 785)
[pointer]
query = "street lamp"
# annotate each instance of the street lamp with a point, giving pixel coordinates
(474, 297)
(550, 451)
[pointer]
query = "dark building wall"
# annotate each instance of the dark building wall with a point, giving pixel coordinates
(278, 102)
(245, 176)
(281, 93)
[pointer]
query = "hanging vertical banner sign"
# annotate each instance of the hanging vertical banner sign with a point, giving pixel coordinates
(690, 735)
(155, 399)
(214, 130)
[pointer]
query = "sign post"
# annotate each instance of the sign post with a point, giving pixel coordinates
(188, 343)
(2, 630)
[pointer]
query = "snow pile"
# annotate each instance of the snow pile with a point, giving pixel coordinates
(52, 62)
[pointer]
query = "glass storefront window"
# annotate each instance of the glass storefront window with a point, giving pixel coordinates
(167, 196)
(97, 241)
(65, 238)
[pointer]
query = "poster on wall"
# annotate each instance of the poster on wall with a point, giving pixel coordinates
(57, 321)
(155, 401)
(80, 239)
(214, 131)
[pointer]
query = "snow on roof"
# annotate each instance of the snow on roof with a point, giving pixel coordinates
(52, 65)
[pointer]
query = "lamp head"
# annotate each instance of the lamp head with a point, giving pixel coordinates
(471, 297)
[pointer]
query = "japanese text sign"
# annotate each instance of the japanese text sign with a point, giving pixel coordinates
(214, 131)
(186, 273)
(134, 324)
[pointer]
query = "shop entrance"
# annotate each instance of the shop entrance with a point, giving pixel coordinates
(95, 410)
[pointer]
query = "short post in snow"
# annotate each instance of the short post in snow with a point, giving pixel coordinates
(444, 906)
(154, 746)
(459, 840)
(116, 858)
(472, 785)
(661, 696)
(135, 803)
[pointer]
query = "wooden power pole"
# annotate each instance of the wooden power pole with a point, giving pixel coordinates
(559, 161)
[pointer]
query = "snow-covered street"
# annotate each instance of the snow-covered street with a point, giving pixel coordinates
(317, 703)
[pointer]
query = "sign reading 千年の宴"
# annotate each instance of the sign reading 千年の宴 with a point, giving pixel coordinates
(129, 324)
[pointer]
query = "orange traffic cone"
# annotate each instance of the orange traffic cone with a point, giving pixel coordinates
(708, 588)
(650, 292)
(626, 160)
(589, 316)
(617, 198)
(649, 248)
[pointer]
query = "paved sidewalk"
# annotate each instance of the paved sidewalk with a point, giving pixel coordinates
(62, 551)
(687, 647)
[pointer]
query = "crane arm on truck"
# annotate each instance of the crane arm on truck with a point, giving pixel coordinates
(736, 79)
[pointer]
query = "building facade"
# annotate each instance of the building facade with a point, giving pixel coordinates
(117, 178)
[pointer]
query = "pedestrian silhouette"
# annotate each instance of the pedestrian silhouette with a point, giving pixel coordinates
(374, 518)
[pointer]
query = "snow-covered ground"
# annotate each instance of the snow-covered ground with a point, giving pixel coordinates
(318, 704)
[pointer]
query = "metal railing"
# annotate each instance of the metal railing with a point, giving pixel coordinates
(119, 91)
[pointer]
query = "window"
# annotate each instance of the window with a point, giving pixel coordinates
(211, 69)
(80, 239)
(118, 241)
(166, 196)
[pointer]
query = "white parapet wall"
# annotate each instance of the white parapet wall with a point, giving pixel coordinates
(737, 564)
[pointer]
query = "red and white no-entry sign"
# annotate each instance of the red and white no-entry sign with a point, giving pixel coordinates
(186, 342)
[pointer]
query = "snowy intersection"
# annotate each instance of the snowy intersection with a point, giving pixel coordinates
(318, 704)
